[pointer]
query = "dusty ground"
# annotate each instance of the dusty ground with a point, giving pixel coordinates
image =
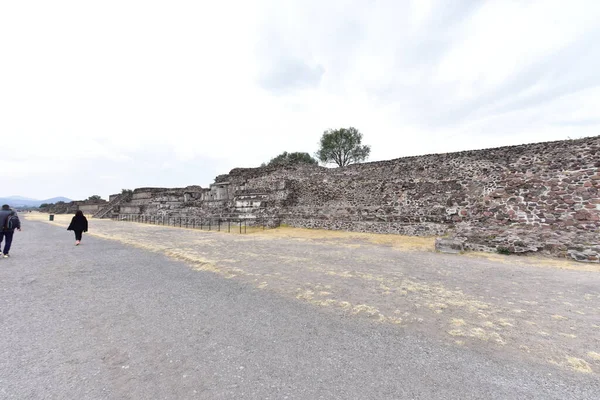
(542, 310)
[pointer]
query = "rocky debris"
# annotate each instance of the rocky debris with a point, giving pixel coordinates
(585, 255)
(452, 246)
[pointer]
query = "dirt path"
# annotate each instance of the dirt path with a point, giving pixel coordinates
(106, 320)
(546, 311)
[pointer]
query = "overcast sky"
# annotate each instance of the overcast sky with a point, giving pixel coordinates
(96, 96)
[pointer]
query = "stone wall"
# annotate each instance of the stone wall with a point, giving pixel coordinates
(541, 197)
(86, 206)
(90, 208)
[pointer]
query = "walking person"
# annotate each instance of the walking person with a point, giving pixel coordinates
(9, 221)
(79, 224)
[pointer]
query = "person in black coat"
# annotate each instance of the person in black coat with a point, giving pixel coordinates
(79, 224)
(9, 221)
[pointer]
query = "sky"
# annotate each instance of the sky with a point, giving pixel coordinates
(100, 96)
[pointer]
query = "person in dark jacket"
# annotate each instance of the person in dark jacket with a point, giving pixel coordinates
(9, 221)
(79, 224)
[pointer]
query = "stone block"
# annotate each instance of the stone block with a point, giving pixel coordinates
(452, 246)
(584, 256)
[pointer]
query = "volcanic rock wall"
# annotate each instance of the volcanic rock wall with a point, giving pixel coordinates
(541, 197)
(87, 206)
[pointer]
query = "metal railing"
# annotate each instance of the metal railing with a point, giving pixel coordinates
(245, 225)
(229, 225)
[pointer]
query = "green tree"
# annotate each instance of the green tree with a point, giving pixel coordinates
(94, 198)
(44, 205)
(342, 147)
(286, 158)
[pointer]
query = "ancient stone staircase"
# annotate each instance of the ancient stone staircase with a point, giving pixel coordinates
(101, 213)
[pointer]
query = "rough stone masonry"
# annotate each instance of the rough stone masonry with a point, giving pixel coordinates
(541, 197)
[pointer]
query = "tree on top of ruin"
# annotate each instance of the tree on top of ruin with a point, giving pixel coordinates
(286, 158)
(126, 194)
(342, 147)
(94, 198)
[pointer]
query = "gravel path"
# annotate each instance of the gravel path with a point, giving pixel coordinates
(516, 307)
(107, 320)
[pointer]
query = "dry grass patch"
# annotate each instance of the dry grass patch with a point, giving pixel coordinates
(412, 243)
(535, 261)
(503, 322)
(593, 355)
(568, 335)
(579, 365)
(59, 219)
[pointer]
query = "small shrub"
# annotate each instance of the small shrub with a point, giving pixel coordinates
(503, 250)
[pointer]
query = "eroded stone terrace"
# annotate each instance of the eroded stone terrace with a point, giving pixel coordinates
(536, 198)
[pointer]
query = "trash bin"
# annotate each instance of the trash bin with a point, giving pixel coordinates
(51, 217)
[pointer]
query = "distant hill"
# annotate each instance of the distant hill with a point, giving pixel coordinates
(19, 201)
(57, 199)
(20, 198)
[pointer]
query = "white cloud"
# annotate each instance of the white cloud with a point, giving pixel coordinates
(101, 96)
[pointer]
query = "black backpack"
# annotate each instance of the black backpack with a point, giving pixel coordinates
(12, 221)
